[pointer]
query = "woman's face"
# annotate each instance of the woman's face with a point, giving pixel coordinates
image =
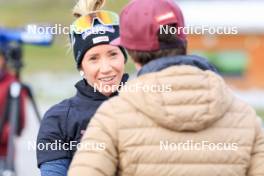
(103, 68)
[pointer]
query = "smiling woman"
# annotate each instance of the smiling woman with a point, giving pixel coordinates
(101, 65)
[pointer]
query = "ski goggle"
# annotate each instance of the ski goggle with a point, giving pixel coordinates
(84, 23)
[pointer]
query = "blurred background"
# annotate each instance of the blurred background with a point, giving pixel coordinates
(51, 71)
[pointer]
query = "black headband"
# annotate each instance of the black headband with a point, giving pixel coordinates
(98, 35)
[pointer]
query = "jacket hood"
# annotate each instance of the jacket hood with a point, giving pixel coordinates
(179, 97)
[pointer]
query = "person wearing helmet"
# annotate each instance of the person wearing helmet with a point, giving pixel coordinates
(102, 67)
(182, 120)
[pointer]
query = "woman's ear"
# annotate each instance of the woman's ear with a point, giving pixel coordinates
(82, 73)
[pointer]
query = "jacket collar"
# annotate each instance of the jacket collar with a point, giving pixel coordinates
(85, 89)
(162, 63)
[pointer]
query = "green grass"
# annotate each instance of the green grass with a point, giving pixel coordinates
(53, 58)
(17, 13)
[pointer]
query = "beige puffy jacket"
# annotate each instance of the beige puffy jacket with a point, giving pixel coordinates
(194, 128)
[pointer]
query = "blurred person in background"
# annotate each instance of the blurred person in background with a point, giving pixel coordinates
(142, 130)
(102, 67)
(2, 99)
(7, 77)
(2, 63)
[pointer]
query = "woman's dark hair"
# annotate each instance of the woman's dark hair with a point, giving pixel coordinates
(168, 39)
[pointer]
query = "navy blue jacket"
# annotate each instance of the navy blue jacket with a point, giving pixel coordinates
(63, 124)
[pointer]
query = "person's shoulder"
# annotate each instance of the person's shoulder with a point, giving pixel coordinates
(114, 106)
(55, 119)
(241, 112)
(59, 109)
